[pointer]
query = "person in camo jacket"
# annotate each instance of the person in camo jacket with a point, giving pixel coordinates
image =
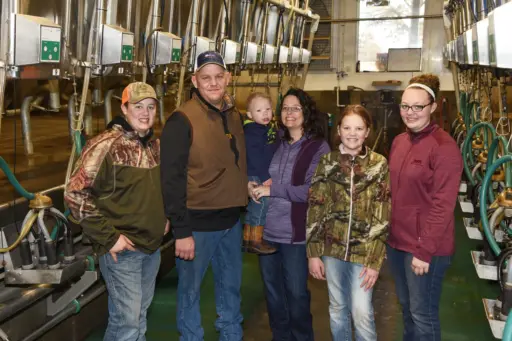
(114, 192)
(347, 224)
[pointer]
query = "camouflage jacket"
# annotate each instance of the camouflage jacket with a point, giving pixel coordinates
(349, 208)
(115, 189)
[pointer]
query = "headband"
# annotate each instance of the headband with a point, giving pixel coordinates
(424, 87)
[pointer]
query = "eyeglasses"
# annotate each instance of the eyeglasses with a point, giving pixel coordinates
(291, 109)
(415, 108)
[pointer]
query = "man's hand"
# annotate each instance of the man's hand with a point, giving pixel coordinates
(268, 182)
(185, 248)
(419, 267)
(167, 227)
(316, 268)
(123, 243)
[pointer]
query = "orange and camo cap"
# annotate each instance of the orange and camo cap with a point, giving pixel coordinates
(136, 92)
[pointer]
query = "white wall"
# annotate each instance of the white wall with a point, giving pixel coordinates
(344, 53)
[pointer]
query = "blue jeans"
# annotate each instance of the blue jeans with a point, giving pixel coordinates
(285, 275)
(256, 213)
(131, 285)
(222, 249)
(346, 299)
(419, 296)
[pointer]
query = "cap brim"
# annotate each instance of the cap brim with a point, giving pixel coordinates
(202, 66)
(138, 100)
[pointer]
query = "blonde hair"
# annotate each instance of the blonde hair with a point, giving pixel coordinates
(255, 95)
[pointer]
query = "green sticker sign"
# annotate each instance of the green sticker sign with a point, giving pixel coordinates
(258, 57)
(50, 51)
(127, 53)
(176, 55)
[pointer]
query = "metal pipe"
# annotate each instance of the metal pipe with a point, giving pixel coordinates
(70, 310)
(156, 14)
(195, 19)
(28, 297)
(129, 11)
(111, 12)
(246, 22)
(80, 30)
(349, 20)
(136, 43)
(204, 10)
(179, 18)
(265, 24)
(85, 89)
(66, 35)
(159, 89)
(100, 20)
(71, 115)
(26, 107)
(108, 106)
(312, 32)
(53, 85)
(171, 16)
(469, 14)
(88, 120)
(188, 42)
(222, 19)
(148, 29)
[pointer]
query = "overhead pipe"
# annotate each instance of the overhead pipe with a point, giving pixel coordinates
(188, 42)
(80, 31)
(171, 16)
(469, 14)
(8, 7)
(313, 30)
(148, 31)
(129, 11)
(66, 35)
(101, 12)
(265, 24)
(204, 10)
(136, 41)
(85, 89)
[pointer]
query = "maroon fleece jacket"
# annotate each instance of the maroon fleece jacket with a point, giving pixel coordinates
(425, 170)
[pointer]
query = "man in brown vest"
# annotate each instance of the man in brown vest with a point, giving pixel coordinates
(204, 185)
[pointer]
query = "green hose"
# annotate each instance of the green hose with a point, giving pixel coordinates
(491, 158)
(483, 200)
(58, 225)
(467, 145)
(507, 332)
(12, 179)
(79, 141)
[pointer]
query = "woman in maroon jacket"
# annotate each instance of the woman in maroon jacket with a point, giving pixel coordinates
(425, 168)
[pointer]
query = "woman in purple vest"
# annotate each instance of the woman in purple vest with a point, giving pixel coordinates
(285, 272)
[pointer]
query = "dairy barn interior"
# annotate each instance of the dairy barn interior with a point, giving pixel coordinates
(64, 65)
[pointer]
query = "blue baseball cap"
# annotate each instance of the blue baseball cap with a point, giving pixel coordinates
(209, 57)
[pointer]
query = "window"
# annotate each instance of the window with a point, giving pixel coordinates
(375, 37)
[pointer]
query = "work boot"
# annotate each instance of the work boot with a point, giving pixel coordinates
(247, 238)
(257, 244)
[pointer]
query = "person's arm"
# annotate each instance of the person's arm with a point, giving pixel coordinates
(300, 193)
(320, 200)
(381, 210)
(447, 165)
(174, 152)
(80, 197)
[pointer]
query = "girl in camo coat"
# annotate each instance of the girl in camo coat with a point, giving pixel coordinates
(347, 225)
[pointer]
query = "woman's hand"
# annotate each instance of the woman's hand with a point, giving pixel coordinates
(251, 185)
(316, 268)
(261, 191)
(370, 277)
(419, 267)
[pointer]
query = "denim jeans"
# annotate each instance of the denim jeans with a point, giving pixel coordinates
(256, 213)
(418, 295)
(222, 249)
(131, 285)
(346, 299)
(285, 276)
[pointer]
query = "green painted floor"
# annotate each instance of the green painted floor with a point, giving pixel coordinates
(462, 314)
